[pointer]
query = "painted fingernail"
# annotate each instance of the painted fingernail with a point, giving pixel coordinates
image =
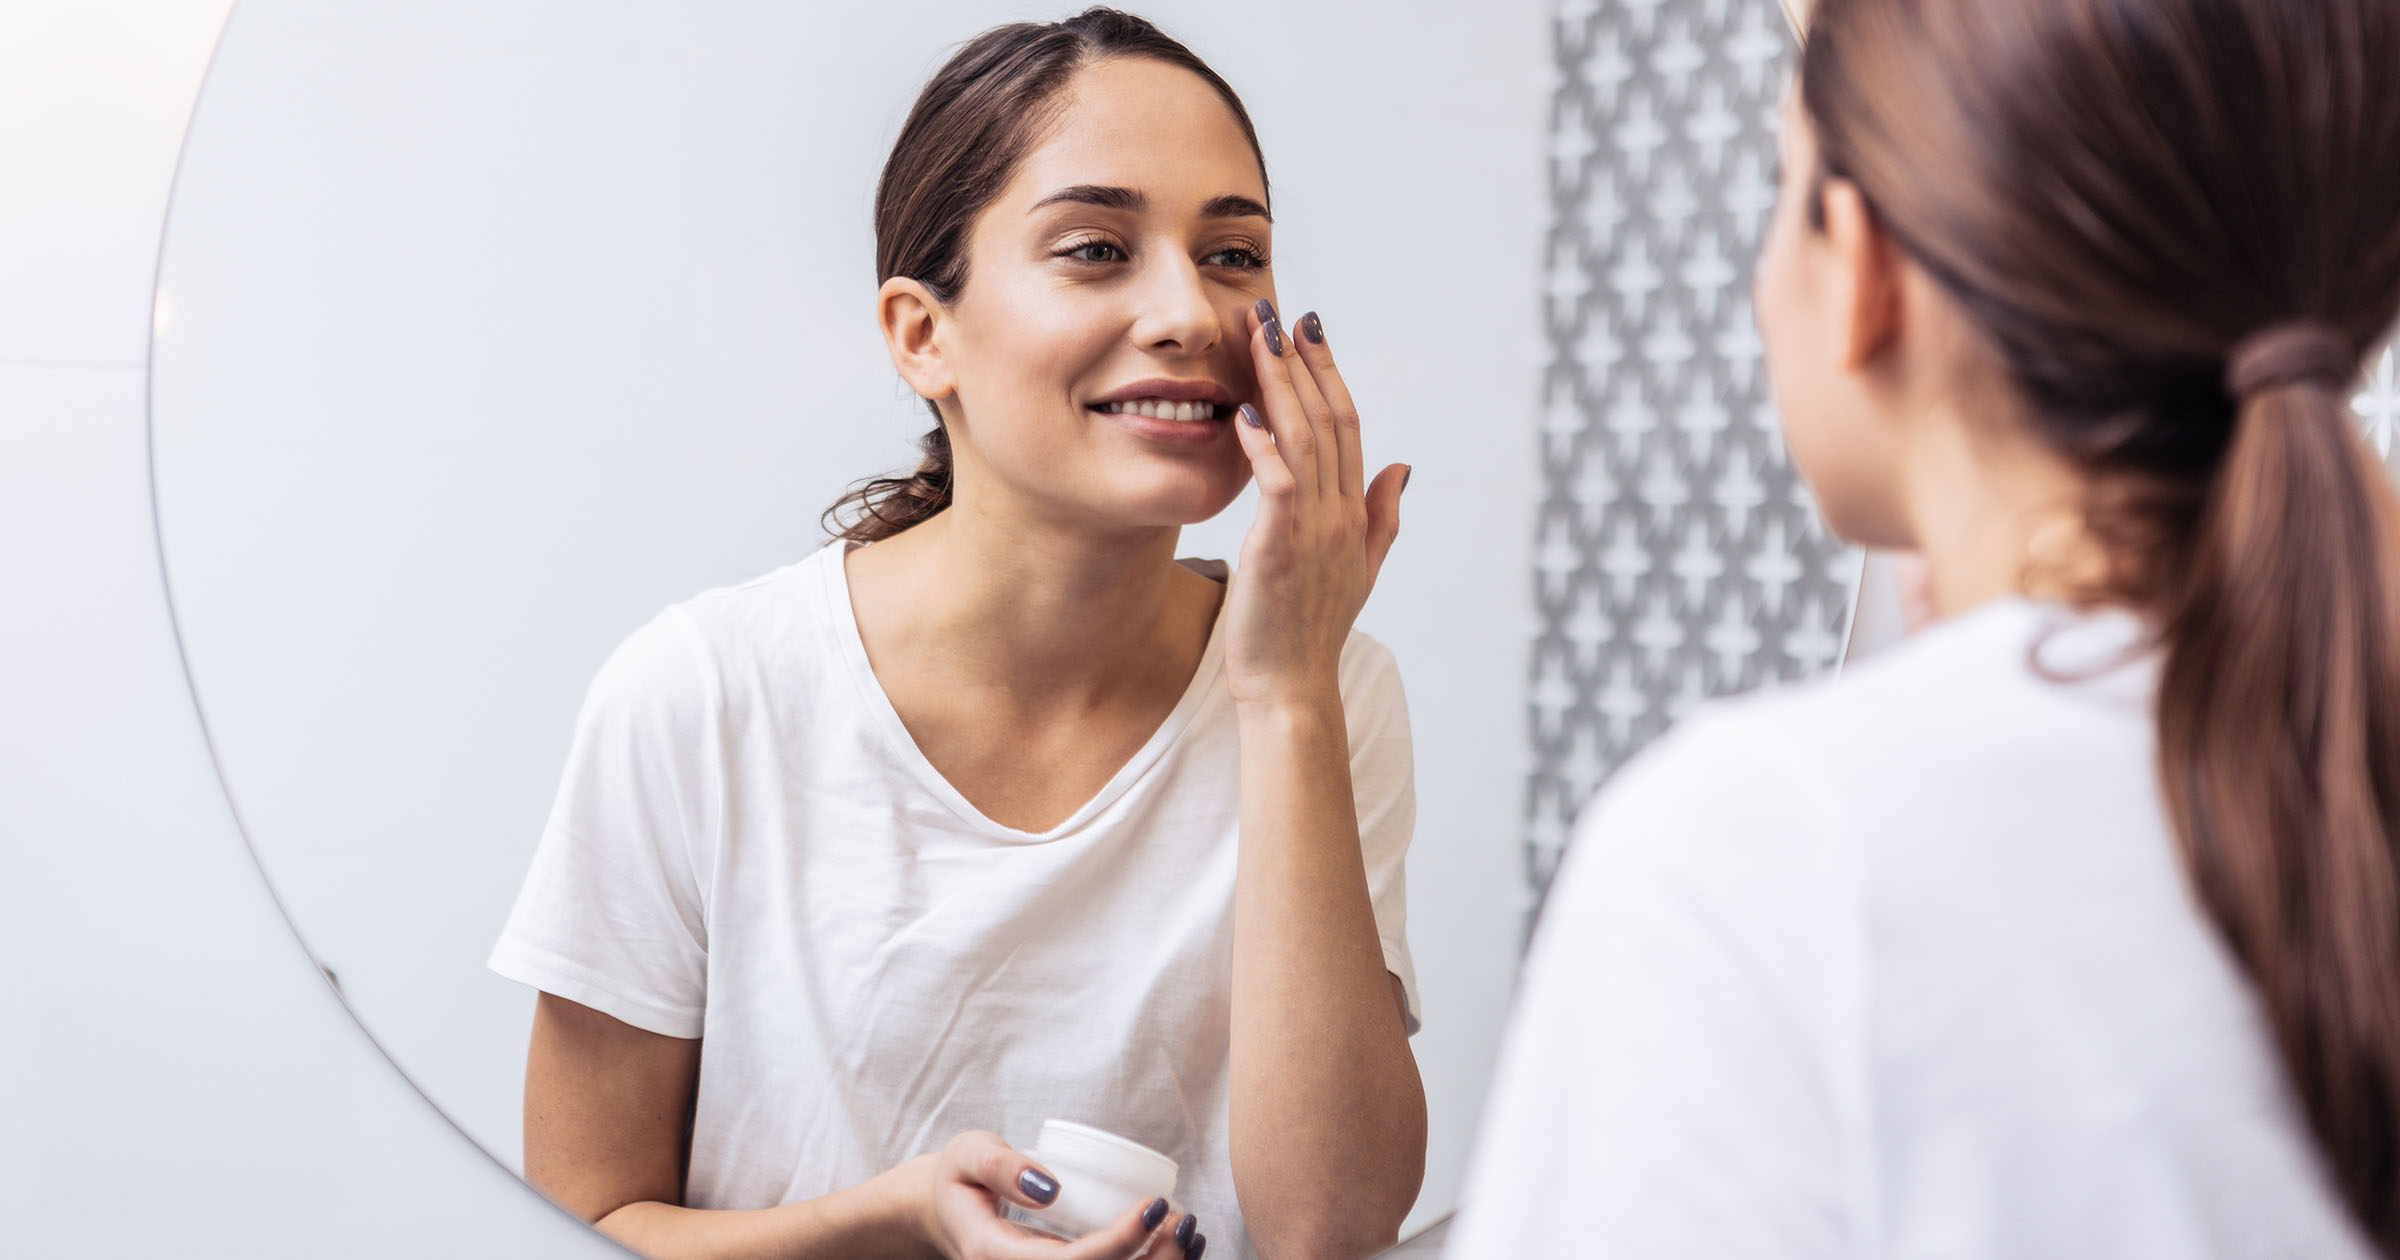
(1405, 474)
(1185, 1231)
(1036, 1186)
(1199, 1245)
(1153, 1214)
(1271, 326)
(1251, 417)
(1312, 328)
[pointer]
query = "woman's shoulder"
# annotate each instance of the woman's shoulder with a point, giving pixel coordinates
(694, 650)
(1369, 677)
(1366, 659)
(791, 607)
(2013, 681)
(1956, 722)
(787, 592)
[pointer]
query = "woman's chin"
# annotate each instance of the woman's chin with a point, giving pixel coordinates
(1180, 498)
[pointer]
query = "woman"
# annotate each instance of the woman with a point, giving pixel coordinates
(862, 867)
(2070, 927)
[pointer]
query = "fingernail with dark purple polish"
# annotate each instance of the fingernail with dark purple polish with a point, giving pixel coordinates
(1184, 1232)
(1036, 1186)
(1312, 328)
(1199, 1245)
(1405, 474)
(1251, 417)
(1153, 1214)
(1268, 324)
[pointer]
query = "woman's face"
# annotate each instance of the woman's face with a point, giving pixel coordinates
(1112, 278)
(1806, 291)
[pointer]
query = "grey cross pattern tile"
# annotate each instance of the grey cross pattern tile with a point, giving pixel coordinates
(1678, 555)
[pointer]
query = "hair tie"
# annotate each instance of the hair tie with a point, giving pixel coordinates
(2288, 354)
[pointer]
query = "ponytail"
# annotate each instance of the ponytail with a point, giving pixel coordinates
(884, 506)
(2279, 745)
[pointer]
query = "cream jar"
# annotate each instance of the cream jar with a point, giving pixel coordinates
(1100, 1177)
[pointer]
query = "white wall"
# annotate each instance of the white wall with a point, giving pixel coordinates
(175, 1080)
(488, 329)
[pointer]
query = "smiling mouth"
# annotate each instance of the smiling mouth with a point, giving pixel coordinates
(1166, 409)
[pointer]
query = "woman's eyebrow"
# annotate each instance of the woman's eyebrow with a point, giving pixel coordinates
(1234, 206)
(1132, 201)
(1102, 195)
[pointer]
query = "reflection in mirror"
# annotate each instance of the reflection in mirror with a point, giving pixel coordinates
(944, 831)
(490, 344)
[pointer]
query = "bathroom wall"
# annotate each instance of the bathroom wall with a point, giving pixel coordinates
(1678, 555)
(175, 1077)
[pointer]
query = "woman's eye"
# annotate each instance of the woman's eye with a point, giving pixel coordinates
(1247, 260)
(1093, 251)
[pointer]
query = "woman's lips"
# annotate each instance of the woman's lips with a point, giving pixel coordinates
(1160, 424)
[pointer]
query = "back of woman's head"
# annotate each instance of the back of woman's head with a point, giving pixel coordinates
(2176, 226)
(971, 126)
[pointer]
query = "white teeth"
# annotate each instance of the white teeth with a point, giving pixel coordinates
(1162, 409)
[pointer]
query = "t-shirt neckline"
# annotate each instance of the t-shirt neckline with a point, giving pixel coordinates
(903, 746)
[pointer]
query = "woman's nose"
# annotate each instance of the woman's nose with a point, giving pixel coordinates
(1175, 310)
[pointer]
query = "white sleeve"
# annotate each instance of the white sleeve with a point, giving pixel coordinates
(1383, 780)
(1682, 1076)
(612, 913)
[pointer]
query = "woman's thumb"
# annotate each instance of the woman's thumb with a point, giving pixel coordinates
(1383, 512)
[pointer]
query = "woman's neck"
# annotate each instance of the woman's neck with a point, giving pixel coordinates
(1995, 515)
(1047, 614)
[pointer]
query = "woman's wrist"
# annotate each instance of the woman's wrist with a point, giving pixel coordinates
(900, 1203)
(1288, 703)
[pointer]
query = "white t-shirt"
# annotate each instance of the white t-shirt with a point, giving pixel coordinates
(1901, 965)
(748, 848)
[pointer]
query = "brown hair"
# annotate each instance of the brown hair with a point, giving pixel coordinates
(2123, 196)
(972, 124)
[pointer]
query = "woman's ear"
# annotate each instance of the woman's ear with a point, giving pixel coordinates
(911, 320)
(1865, 283)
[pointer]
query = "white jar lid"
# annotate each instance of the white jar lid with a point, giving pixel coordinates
(1101, 1151)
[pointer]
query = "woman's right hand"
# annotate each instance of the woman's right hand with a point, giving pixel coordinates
(965, 1184)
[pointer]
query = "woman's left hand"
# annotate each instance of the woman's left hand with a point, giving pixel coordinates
(1322, 530)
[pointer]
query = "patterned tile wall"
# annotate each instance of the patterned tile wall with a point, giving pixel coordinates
(1678, 555)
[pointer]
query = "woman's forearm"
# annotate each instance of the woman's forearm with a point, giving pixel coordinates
(869, 1221)
(1328, 1114)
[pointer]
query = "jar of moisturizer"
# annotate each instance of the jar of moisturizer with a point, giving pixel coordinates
(1100, 1177)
